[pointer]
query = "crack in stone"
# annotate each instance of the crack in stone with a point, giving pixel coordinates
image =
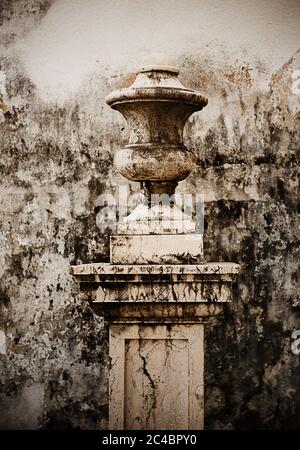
(151, 381)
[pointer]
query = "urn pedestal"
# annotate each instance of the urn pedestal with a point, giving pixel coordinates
(158, 292)
(156, 316)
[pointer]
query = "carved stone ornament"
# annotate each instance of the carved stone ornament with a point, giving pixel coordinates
(156, 293)
(156, 107)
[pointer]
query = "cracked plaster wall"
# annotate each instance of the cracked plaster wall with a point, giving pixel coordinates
(58, 60)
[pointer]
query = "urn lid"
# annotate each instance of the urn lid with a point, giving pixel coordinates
(157, 83)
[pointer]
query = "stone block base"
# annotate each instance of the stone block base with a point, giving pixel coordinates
(157, 249)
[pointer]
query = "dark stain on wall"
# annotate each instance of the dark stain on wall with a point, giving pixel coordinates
(56, 161)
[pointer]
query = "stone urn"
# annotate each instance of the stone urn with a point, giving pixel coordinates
(156, 107)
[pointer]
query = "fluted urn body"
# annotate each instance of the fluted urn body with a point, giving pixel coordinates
(156, 107)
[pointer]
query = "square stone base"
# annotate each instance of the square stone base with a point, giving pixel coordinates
(157, 249)
(156, 315)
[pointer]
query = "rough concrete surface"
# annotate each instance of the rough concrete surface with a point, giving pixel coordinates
(58, 61)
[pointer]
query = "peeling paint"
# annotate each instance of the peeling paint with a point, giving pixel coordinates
(56, 159)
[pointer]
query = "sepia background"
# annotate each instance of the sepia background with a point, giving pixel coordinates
(58, 61)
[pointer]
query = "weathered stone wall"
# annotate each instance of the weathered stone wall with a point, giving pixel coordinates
(57, 158)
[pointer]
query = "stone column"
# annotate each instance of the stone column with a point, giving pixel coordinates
(157, 292)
